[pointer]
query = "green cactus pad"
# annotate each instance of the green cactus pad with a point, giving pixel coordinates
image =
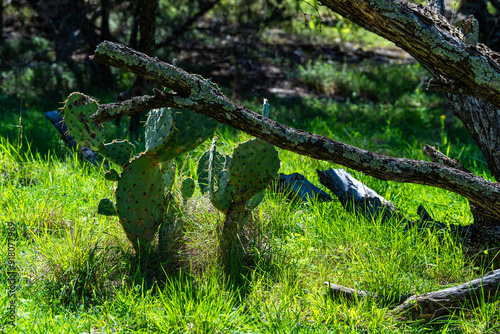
(168, 170)
(203, 167)
(118, 151)
(222, 198)
(140, 199)
(106, 207)
(187, 188)
(256, 200)
(190, 130)
(158, 128)
(77, 111)
(254, 164)
(112, 175)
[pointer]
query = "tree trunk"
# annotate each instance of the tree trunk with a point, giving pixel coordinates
(147, 28)
(1, 22)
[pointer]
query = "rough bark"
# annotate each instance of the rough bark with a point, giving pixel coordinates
(432, 40)
(429, 306)
(202, 96)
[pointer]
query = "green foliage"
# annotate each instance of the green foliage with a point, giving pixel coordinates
(66, 255)
(366, 80)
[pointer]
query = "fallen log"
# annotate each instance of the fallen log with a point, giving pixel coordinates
(432, 305)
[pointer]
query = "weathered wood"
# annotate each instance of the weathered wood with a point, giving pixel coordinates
(443, 302)
(436, 44)
(434, 304)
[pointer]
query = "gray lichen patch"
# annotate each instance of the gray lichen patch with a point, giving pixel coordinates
(183, 101)
(483, 73)
(108, 49)
(294, 137)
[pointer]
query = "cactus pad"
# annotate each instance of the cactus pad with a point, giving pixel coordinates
(168, 170)
(190, 130)
(203, 167)
(118, 151)
(140, 199)
(112, 175)
(158, 128)
(106, 207)
(187, 188)
(254, 164)
(256, 200)
(222, 198)
(77, 111)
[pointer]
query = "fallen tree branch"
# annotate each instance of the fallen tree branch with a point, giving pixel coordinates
(438, 303)
(434, 304)
(202, 96)
(297, 186)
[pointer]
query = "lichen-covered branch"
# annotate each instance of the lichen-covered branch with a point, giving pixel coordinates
(202, 96)
(434, 304)
(108, 112)
(425, 34)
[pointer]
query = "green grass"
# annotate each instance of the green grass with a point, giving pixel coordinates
(77, 270)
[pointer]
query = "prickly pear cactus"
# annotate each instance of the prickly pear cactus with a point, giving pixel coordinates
(140, 199)
(106, 207)
(240, 188)
(158, 128)
(143, 197)
(168, 170)
(187, 188)
(253, 166)
(78, 108)
(203, 167)
(190, 130)
(118, 151)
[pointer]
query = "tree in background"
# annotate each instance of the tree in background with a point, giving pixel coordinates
(487, 13)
